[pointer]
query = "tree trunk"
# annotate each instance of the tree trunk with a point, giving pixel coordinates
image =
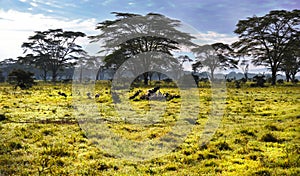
(150, 76)
(45, 76)
(159, 76)
(246, 72)
(54, 76)
(293, 77)
(146, 80)
(246, 76)
(98, 74)
(287, 76)
(212, 75)
(274, 71)
(80, 75)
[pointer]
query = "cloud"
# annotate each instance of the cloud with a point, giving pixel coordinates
(107, 2)
(18, 26)
(211, 37)
(33, 4)
(208, 37)
(49, 4)
(52, 4)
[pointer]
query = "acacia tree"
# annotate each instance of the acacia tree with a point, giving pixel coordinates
(90, 62)
(133, 34)
(215, 56)
(268, 38)
(52, 50)
(244, 66)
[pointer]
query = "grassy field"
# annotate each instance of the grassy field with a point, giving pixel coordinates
(259, 134)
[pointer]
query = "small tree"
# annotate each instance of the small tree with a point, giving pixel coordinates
(291, 63)
(90, 62)
(291, 66)
(244, 66)
(21, 78)
(215, 56)
(260, 81)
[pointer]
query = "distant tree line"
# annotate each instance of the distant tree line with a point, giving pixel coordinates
(272, 40)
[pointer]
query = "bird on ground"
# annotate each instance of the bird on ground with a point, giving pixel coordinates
(62, 94)
(88, 95)
(135, 95)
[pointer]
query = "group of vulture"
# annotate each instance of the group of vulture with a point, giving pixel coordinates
(153, 94)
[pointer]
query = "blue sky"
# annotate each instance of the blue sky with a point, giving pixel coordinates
(205, 15)
(214, 20)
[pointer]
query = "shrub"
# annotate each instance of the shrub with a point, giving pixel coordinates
(15, 145)
(269, 138)
(295, 81)
(260, 81)
(223, 146)
(280, 81)
(237, 84)
(272, 127)
(2, 117)
(249, 133)
(21, 78)
(211, 156)
(171, 168)
(262, 172)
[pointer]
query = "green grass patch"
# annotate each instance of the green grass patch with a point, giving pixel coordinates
(258, 135)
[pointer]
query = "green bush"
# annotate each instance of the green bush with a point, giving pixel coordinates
(21, 78)
(269, 138)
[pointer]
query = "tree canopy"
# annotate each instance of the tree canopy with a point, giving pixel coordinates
(268, 38)
(52, 50)
(291, 62)
(133, 34)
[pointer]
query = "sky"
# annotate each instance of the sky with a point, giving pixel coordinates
(212, 20)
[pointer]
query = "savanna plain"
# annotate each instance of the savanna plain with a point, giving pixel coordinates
(257, 135)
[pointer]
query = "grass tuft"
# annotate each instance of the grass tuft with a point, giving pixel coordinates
(223, 146)
(269, 138)
(2, 117)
